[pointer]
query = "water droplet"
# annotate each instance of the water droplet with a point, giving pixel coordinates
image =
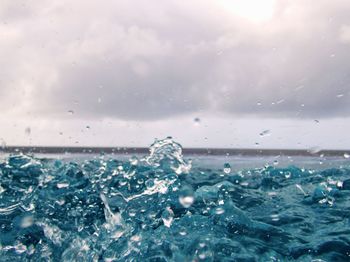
(204, 252)
(314, 150)
(197, 121)
(339, 184)
(135, 238)
(186, 196)
(227, 168)
(99, 100)
(301, 189)
(183, 231)
(275, 163)
(62, 185)
(265, 133)
(186, 201)
(168, 217)
(70, 112)
(123, 182)
(27, 221)
(275, 217)
(27, 131)
(117, 234)
(134, 160)
(149, 183)
(88, 127)
(132, 213)
(3, 144)
(61, 201)
(346, 155)
(30, 250)
(219, 210)
(20, 248)
(287, 174)
(1, 189)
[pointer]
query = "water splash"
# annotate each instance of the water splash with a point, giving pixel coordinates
(168, 153)
(142, 209)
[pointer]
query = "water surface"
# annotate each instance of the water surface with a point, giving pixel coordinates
(167, 207)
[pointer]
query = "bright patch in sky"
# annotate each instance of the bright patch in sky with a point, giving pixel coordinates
(252, 10)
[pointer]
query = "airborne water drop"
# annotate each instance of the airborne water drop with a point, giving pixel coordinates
(197, 121)
(265, 133)
(168, 217)
(27, 131)
(186, 196)
(227, 168)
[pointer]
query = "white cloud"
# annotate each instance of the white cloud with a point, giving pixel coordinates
(136, 60)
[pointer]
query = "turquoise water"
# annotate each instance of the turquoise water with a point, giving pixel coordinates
(166, 207)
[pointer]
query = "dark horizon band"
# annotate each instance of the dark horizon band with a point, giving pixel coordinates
(186, 151)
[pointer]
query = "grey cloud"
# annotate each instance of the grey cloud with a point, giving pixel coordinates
(158, 60)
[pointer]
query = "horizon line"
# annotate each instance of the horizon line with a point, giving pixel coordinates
(187, 151)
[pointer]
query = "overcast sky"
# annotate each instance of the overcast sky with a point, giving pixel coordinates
(121, 73)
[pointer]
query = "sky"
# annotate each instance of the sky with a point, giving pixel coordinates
(210, 73)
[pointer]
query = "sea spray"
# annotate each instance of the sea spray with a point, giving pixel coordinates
(160, 207)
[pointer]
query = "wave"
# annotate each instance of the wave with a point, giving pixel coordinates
(161, 208)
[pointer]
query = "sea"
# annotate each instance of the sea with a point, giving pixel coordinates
(164, 205)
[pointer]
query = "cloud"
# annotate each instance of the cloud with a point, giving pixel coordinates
(142, 61)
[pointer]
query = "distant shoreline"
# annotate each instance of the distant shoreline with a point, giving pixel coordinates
(186, 151)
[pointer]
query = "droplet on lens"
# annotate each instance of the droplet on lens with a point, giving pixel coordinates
(265, 133)
(227, 168)
(197, 121)
(27, 131)
(186, 196)
(186, 201)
